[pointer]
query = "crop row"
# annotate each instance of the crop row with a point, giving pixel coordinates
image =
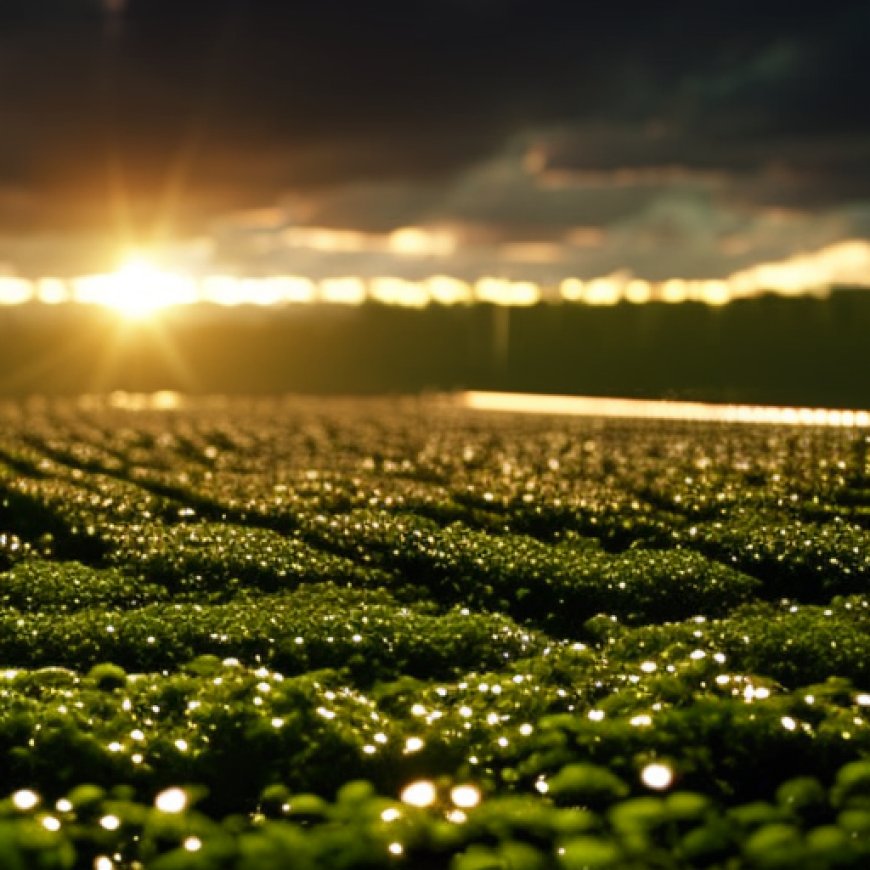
(808, 824)
(556, 585)
(272, 634)
(312, 627)
(465, 694)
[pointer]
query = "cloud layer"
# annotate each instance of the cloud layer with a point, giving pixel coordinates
(528, 140)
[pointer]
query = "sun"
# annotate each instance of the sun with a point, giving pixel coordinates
(139, 289)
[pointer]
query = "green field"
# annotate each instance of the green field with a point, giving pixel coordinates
(276, 634)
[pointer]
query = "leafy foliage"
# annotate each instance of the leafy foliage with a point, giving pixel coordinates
(265, 635)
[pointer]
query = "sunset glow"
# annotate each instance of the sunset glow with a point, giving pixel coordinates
(136, 290)
(434, 435)
(139, 288)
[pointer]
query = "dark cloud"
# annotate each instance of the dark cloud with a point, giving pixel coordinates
(384, 113)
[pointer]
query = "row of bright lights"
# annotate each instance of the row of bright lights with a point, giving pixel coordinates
(139, 288)
(597, 406)
(585, 406)
(421, 793)
(424, 793)
(170, 800)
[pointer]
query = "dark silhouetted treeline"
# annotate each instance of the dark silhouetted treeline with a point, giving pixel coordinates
(769, 350)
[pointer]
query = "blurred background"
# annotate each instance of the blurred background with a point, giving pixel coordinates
(249, 197)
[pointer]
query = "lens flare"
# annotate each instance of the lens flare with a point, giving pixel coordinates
(137, 290)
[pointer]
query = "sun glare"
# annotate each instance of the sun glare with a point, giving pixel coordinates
(139, 289)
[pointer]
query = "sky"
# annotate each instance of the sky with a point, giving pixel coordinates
(526, 140)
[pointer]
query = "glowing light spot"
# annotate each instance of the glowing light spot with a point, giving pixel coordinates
(448, 291)
(465, 796)
(499, 291)
(641, 721)
(343, 291)
(397, 291)
(50, 823)
(25, 799)
(192, 844)
(326, 239)
(172, 800)
(110, 823)
(420, 242)
(15, 291)
(391, 815)
(103, 862)
(542, 786)
(571, 290)
(414, 744)
(595, 715)
(648, 667)
(64, 806)
(604, 291)
(788, 723)
(674, 290)
(419, 794)
(52, 291)
(638, 291)
(395, 848)
(136, 290)
(751, 693)
(657, 776)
